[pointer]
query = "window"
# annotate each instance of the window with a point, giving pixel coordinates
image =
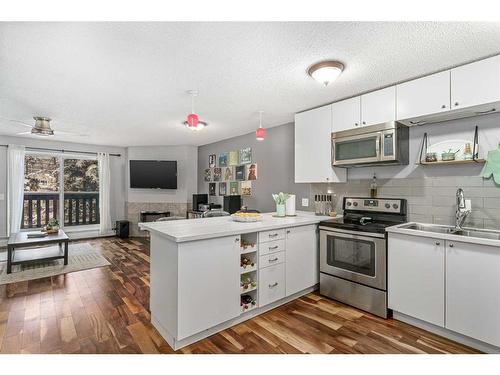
(74, 200)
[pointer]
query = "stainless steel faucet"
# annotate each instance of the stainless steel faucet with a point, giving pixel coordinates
(463, 210)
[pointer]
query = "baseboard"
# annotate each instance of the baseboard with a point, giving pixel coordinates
(462, 339)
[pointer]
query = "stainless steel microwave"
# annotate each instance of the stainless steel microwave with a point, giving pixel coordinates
(379, 144)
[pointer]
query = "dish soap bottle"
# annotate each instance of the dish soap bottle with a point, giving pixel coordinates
(373, 187)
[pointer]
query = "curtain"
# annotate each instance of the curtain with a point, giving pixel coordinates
(104, 193)
(15, 193)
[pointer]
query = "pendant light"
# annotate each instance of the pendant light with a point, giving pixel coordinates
(326, 72)
(260, 133)
(193, 122)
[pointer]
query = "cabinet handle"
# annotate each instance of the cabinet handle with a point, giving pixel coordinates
(438, 243)
(451, 245)
(273, 247)
(273, 285)
(443, 106)
(236, 240)
(273, 235)
(273, 260)
(288, 231)
(456, 104)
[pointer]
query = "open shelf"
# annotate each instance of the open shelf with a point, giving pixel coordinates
(249, 289)
(248, 307)
(249, 249)
(248, 269)
(451, 162)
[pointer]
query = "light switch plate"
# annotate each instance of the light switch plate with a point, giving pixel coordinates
(305, 202)
(2, 196)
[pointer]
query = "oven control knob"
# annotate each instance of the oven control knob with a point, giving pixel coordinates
(387, 205)
(395, 206)
(348, 203)
(355, 204)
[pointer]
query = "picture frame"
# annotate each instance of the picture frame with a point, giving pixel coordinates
(239, 173)
(228, 173)
(207, 176)
(252, 172)
(234, 188)
(234, 158)
(223, 159)
(246, 188)
(212, 160)
(246, 155)
(211, 188)
(223, 188)
(217, 174)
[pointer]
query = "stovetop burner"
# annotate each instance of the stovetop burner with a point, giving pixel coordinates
(370, 215)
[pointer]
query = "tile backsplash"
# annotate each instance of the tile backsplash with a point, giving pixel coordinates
(430, 199)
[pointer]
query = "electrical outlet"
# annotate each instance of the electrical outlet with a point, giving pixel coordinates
(305, 202)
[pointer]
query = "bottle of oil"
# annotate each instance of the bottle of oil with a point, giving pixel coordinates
(373, 187)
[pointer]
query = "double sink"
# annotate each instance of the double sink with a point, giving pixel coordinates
(466, 232)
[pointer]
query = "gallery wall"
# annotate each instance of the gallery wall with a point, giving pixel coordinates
(274, 157)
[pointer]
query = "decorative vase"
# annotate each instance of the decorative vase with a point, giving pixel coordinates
(280, 210)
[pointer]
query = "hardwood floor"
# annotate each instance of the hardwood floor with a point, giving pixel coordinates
(105, 310)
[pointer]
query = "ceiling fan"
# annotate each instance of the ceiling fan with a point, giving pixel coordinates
(42, 127)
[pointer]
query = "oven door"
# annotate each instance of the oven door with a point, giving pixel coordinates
(357, 149)
(353, 257)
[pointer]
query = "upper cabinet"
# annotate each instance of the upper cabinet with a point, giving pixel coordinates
(346, 114)
(476, 83)
(424, 96)
(313, 147)
(378, 106)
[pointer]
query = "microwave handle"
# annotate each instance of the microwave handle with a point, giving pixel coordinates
(377, 146)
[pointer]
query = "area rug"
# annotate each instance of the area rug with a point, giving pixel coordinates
(82, 256)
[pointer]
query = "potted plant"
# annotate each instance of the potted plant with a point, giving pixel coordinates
(52, 226)
(280, 200)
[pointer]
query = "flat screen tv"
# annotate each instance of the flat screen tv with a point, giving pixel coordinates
(153, 174)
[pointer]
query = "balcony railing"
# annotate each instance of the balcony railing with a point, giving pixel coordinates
(79, 209)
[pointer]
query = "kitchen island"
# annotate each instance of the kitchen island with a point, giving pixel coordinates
(201, 268)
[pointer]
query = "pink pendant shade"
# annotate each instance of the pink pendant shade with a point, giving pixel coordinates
(192, 120)
(260, 134)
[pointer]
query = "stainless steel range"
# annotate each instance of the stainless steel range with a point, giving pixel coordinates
(353, 252)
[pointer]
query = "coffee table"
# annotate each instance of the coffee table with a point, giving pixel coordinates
(36, 254)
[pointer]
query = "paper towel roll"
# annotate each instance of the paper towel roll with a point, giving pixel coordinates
(290, 205)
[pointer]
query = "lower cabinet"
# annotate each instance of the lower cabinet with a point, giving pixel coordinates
(473, 290)
(271, 284)
(302, 258)
(416, 277)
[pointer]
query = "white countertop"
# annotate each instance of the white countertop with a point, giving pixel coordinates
(443, 236)
(199, 229)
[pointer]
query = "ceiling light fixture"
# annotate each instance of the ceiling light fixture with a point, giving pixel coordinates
(193, 122)
(260, 133)
(326, 72)
(42, 126)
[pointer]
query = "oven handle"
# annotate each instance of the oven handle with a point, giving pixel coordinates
(352, 233)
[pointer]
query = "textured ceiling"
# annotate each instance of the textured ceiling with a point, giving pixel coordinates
(125, 83)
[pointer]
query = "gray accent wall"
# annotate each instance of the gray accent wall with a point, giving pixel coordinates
(275, 163)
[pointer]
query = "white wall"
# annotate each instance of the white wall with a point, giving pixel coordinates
(187, 169)
(117, 165)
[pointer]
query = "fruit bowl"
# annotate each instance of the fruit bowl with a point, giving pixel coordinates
(246, 217)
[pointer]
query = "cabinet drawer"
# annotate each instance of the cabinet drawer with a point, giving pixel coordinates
(271, 235)
(271, 247)
(272, 259)
(271, 284)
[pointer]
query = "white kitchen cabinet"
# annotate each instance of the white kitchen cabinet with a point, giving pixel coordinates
(423, 96)
(346, 114)
(271, 284)
(208, 285)
(416, 278)
(473, 290)
(378, 106)
(313, 147)
(476, 83)
(302, 258)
